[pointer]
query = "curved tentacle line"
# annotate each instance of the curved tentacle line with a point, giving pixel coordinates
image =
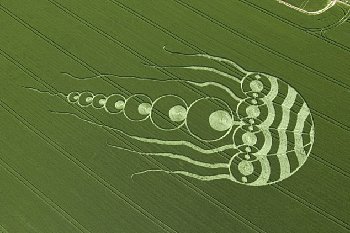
(265, 139)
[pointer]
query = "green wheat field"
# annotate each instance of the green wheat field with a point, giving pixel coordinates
(71, 166)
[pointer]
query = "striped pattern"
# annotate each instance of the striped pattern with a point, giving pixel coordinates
(288, 133)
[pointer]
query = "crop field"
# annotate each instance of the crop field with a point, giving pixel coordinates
(131, 116)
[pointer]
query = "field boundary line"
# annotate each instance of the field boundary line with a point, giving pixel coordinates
(322, 161)
(78, 163)
(299, 199)
(197, 49)
(221, 206)
(294, 199)
(3, 229)
(200, 192)
(203, 194)
(191, 186)
(295, 25)
(183, 41)
(111, 38)
(229, 29)
(40, 194)
(262, 46)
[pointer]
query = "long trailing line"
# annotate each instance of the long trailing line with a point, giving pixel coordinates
(224, 207)
(190, 185)
(200, 192)
(327, 118)
(285, 193)
(3, 229)
(332, 120)
(183, 41)
(260, 45)
(329, 165)
(285, 57)
(316, 112)
(67, 53)
(42, 196)
(124, 46)
(73, 159)
(224, 26)
(314, 208)
(332, 167)
(32, 128)
(320, 211)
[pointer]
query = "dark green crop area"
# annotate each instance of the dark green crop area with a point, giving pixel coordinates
(65, 168)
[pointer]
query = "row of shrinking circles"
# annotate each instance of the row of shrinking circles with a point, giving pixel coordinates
(220, 120)
(176, 113)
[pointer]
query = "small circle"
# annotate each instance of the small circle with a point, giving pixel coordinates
(244, 179)
(169, 112)
(245, 168)
(253, 111)
(256, 86)
(137, 107)
(251, 121)
(248, 149)
(251, 128)
(115, 103)
(89, 99)
(84, 98)
(97, 103)
(254, 101)
(247, 156)
(249, 139)
(144, 109)
(177, 113)
(102, 101)
(220, 120)
(119, 105)
(73, 97)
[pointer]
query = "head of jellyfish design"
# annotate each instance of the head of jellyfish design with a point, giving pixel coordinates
(278, 133)
(268, 125)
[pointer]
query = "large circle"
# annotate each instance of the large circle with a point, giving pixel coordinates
(178, 113)
(209, 119)
(138, 107)
(220, 120)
